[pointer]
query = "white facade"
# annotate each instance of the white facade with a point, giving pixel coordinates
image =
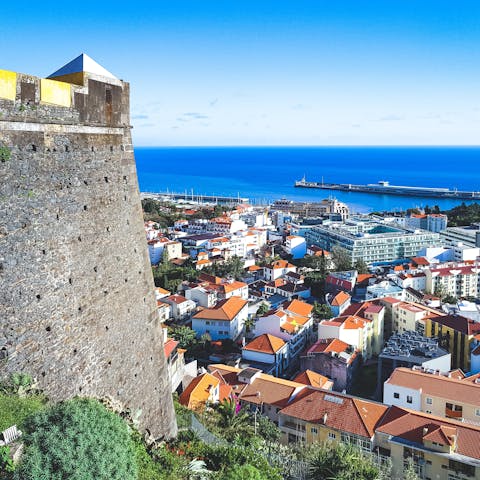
(402, 397)
(201, 296)
(220, 329)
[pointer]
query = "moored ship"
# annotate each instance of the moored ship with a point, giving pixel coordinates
(383, 187)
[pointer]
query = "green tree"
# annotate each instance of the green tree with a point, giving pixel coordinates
(340, 462)
(322, 311)
(360, 266)
(243, 472)
(341, 259)
(449, 299)
(185, 336)
(262, 309)
(77, 439)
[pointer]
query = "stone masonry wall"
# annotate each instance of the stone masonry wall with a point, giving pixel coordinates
(77, 304)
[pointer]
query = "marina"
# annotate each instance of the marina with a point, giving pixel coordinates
(383, 187)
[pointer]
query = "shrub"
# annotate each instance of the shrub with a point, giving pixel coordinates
(14, 410)
(77, 439)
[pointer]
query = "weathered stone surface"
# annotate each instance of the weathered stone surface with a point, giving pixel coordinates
(77, 305)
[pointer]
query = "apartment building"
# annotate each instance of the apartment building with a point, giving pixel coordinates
(454, 333)
(434, 392)
(370, 241)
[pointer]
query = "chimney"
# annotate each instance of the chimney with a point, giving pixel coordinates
(325, 418)
(425, 431)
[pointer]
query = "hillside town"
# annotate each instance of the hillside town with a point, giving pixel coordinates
(363, 329)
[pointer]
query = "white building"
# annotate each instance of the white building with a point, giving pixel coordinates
(278, 269)
(267, 350)
(182, 308)
(291, 322)
(225, 320)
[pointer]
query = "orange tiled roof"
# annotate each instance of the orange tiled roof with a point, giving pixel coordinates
(410, 425)
(314, 379)
(198, 391)
(436, 385)
(329, 345)
(225, 310)
(298, 307)
(265, 343)
(340, 299)
(169, 346)
(337, 411)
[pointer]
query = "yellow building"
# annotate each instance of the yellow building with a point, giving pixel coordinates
(455, 334)
(440, 395)
(440, 449)
(319, 416)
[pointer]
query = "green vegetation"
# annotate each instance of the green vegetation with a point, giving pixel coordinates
(341, 462)
(360, 266)
(341, 259)
(235, 267)
(5, 154)
(165, 214)
(322, 311)
(463, 214)
(14, 409)
(77, 439)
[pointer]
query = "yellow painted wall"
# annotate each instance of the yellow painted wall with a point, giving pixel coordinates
(56, 93)
(8, 84)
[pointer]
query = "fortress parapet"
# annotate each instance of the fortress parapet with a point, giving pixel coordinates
(77, 303)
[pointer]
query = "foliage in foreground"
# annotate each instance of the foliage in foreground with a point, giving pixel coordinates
(77, 439)
(341, 462)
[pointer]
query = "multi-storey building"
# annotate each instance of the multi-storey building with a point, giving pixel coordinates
(325, 208)
(434, 392)
(434, 222)
(225, 320)
(370, 241)
(291, 322)
(454, 279)
(454, 333)
(469, 236)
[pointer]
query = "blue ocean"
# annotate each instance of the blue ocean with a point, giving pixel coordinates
(264, 174)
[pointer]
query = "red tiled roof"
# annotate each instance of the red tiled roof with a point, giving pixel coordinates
(459, 323)
(337, 411)
(225, 310)
(410, 425)
(265, 343)
(340, 298)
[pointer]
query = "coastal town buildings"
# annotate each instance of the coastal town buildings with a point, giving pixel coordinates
(225, 320)
(325, 208)
(333, 359)
(268, 353)
(435, 392)
(370, 241)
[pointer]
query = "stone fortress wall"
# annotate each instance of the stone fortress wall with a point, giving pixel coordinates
(77, 303)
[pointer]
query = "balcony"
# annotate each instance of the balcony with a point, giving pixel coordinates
(451, 413)
(293, 428)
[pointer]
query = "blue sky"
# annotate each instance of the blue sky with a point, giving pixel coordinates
(342, 72)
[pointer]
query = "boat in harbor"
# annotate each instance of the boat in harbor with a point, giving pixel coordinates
(383, 187)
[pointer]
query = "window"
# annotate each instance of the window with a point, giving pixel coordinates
(409, 399)
(314, 430)
(396, 395)
(331, 436)
(429, 401)
(477, 412)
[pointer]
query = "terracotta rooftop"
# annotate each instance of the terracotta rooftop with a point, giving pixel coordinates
(198, 391)
(340, 298)
(409, 425)
(298, 307)
(225, 310)
(314, 379)
(340, 412)
(436, 385)
(265, 343)
(329, 345)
